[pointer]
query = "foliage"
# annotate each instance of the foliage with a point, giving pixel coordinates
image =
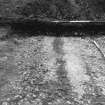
(55, 9)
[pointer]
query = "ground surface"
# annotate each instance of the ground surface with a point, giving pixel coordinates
(42, 70)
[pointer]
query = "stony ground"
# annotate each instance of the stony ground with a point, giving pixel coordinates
(42, 70)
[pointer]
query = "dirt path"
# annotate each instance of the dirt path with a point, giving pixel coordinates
(74, 64)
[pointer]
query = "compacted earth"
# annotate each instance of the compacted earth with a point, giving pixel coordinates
(45, 70)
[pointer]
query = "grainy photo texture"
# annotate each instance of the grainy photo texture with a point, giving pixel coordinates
(52, 63)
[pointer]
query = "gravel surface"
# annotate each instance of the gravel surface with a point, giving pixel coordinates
(44, 70)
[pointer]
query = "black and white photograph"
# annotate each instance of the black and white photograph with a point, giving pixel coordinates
(52, 52)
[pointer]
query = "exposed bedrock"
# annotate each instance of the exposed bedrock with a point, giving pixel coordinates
(51, 71)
